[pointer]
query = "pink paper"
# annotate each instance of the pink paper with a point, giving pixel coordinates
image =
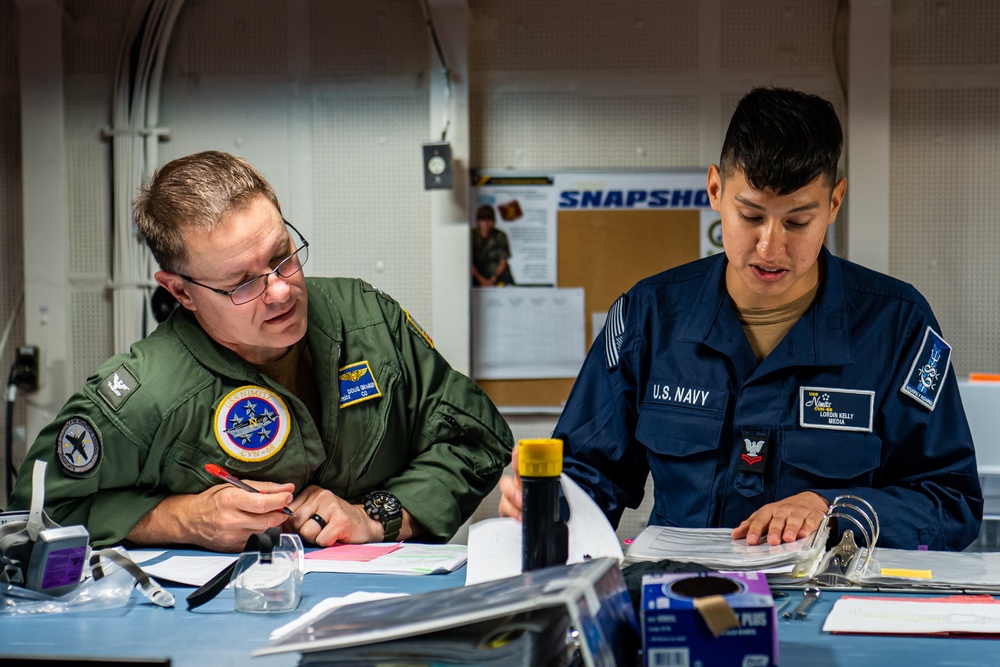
(357, 553)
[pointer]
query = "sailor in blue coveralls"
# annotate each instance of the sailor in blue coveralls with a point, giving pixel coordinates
(758, 385)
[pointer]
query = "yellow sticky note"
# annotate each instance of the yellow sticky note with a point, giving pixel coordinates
(908, 574)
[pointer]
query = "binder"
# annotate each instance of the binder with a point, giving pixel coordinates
(560, 615)
(854, 563)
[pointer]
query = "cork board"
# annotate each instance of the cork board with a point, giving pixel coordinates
(606, 252)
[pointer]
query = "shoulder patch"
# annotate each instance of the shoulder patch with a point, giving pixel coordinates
(78, 447)
(417, 329)
(614, 332)
(928, 371)
(116, 388)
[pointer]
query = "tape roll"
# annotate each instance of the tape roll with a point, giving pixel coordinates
(707, 594)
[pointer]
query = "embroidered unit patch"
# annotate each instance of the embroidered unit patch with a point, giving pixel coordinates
(79, 446)
(929, 370)
(117, 387)
(357, 383)
(836, 409)
(252, 423)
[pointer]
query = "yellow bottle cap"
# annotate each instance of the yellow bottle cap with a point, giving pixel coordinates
(541, 457)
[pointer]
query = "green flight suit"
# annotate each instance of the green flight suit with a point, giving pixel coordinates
(395, 416)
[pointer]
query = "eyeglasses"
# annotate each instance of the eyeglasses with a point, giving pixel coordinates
(253, 289)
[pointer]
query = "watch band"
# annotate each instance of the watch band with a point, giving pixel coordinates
(392, 527)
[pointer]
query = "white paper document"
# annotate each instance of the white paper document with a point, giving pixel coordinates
(714, 548)
(527, 333)
(189, 570)
(912, 617)
(495, 544)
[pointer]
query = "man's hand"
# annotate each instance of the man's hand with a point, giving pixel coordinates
(221, 518)
(510, 491)
(342, 522)
(784, 521)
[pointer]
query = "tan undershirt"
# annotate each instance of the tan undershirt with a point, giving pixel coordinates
(765, 327)
(294, 371)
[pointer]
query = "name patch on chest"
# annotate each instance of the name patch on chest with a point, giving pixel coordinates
(357, 383)
(252, 423)
(836, 409)
(929, 370)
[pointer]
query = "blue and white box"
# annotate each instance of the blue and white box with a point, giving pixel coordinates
(675, 632)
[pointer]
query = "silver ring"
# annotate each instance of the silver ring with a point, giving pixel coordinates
(320, 520)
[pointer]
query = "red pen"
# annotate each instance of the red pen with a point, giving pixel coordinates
(223, 474)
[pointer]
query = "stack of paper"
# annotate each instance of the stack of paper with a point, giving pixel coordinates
(915, 616)
(715, 549)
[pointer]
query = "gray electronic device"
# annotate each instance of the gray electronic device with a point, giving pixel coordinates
(57, 560)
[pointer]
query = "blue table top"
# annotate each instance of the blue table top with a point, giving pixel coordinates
(215, 634)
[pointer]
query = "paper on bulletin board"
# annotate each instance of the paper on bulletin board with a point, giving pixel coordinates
(525, 212)
(527, 333)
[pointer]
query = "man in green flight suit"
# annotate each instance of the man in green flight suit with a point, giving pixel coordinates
(323, 394)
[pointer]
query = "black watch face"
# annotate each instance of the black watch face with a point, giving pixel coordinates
(383, 505)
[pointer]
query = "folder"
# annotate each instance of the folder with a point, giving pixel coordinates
(518, 620)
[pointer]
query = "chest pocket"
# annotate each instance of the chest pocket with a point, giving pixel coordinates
(682, 450)
(818, 459)
(361, 429)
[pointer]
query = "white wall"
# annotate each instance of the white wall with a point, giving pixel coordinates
(333, 99)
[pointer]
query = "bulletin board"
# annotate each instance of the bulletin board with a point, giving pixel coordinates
(606, 251)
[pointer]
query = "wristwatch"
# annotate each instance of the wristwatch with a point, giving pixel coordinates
(385, 508)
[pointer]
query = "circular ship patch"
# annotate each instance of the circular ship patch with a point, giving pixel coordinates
(78, 447)
(252, 423)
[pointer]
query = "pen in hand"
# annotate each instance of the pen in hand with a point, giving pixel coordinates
(223, 474)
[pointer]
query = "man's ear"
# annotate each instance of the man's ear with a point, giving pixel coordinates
(177, 287)
(837, 198)
(713, 183)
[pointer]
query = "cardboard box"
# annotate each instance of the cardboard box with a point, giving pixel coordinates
(675, 632)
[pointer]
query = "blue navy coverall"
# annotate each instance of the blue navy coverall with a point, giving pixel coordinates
(856, 399)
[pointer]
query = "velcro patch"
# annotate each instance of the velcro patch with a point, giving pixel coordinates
(836, 409)
(357, 383)
(417, 329)
(614, 332)
(78, 447)
(753, 452)
(929, 370)
(117, 387)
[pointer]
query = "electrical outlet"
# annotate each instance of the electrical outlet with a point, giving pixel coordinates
(26, 368)
(437, 166)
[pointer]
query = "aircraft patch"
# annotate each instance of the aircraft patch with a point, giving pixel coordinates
(79, 446)
(252, 423)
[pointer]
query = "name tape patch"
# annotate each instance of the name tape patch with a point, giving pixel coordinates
(357, 384)
(929, 370)
(836, 409)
